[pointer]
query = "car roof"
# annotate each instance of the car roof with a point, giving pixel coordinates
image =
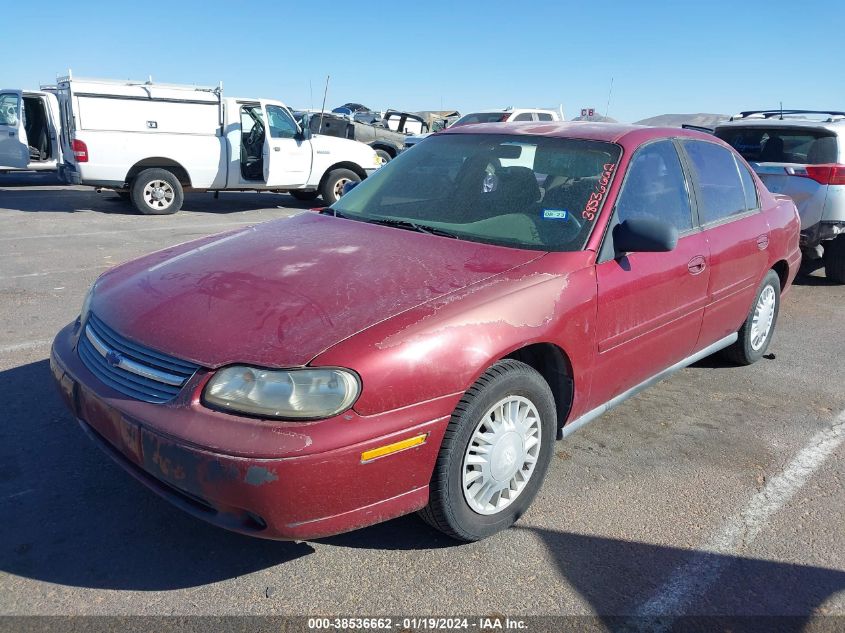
(620, 133)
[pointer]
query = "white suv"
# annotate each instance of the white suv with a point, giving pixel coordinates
(507, 115)
(800, 153)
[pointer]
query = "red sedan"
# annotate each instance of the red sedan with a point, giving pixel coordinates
(420, 345)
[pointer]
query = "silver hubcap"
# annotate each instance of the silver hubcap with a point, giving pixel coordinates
(501, 455)
(158, 194)
(764, 316)
(338, 188)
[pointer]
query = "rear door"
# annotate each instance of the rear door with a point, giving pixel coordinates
(780, 156)
(650, 305)
(14, 149)
(287, 156)
(737, 235)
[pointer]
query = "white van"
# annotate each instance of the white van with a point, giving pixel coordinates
(29, 130)
(150, 142)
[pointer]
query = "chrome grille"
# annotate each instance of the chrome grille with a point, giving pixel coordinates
(132, 369)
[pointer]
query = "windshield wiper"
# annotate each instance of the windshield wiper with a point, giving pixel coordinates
(411, 226)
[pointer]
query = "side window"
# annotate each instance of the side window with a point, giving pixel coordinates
(719, 182)
(655, 187)
(9, 109)
(525, 116)
(748, 186)
(544, 116)
(281, 123)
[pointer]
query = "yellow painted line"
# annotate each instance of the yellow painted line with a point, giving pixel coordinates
(401, 445)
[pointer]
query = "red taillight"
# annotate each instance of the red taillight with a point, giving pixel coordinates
(80, 151)
(831, 174)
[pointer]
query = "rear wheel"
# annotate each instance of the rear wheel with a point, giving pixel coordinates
(384, 156)
(304, 195)
(156, 192)
(757, 331)
(332, 187)
(494, 454)
(834, 259)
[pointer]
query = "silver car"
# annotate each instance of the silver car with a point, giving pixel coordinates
(800, 153)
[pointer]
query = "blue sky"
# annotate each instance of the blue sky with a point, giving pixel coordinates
(680, 56)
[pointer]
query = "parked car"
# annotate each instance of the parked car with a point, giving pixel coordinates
(150, 142)
(420, 344)
(437, 120)
(30, 126)
(800, 153)
(386, 137)
(495, 116)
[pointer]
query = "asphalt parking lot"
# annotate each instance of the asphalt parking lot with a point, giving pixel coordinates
(719, 491)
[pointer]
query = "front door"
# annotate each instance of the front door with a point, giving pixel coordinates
(287, 156)
(14, 149)
(650, 305)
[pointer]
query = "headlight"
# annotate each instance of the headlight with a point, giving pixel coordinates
(86, 304)
(310, 394)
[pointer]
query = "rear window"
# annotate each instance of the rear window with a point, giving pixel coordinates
(482, 117)
(781, 145)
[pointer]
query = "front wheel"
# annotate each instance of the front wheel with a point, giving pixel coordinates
(494, 455)
(332, 187)
(156, 192)
(384, 156)
(757, 331)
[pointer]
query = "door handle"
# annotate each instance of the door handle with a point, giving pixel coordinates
(11, 133)
(697, 265)
(277, 149)
(763, 242)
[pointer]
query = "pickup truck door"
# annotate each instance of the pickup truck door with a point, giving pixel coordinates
(287, 155)
(14, 149)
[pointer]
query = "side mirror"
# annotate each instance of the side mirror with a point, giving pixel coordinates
(644, 235)
(349, 186)
(304, 131)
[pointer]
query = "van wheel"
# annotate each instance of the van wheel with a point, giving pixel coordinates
(156, 192)
(384, 155)
(834, 259)
(332, 187)
(757, 331)
(494, 454)
(304, 195)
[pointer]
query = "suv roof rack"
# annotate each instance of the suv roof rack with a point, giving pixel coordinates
(768, 114)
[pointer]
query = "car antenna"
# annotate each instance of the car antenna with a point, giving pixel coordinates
(609, 93)
(323, 109)
(781, 110)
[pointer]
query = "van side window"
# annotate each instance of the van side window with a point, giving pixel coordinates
(655, 187)
(748, 186)
(544, 116)
(280, 122)
(719, 182)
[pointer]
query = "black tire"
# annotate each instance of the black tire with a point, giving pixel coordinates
(333, 182)
(304, 195)
(384, 155)
(148, 206)
(834, 259)
(448, 509)
(742, 352)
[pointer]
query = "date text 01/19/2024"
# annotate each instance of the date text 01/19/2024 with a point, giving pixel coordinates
(421, 623)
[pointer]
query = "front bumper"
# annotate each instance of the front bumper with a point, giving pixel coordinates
(312, 486)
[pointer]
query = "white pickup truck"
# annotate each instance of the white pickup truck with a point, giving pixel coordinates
(150, 142)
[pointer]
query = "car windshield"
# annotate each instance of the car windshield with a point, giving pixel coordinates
(523, 191)
(760, 144)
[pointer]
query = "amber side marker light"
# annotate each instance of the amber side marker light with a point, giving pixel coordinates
(381, 451)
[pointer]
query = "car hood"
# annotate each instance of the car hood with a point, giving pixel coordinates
(279, 293)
